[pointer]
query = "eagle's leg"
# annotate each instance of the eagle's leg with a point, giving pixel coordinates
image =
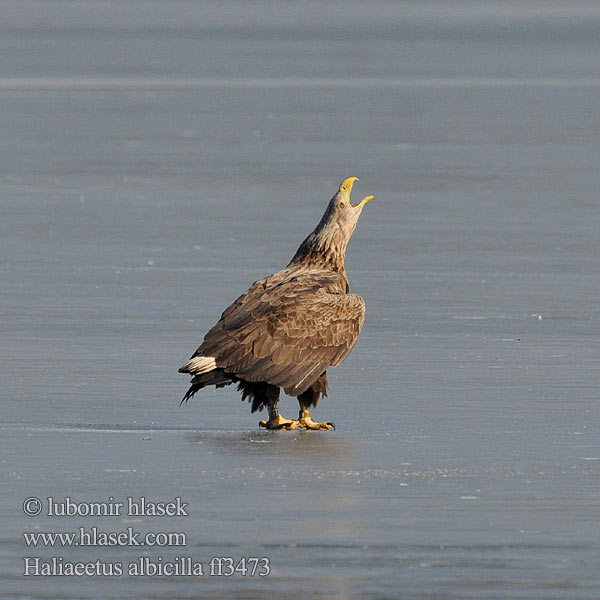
(276, 421)
(310, 398)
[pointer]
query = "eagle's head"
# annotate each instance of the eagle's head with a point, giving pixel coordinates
(326, 245)
(341, 213)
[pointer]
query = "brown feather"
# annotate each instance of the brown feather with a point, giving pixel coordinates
(304, 320)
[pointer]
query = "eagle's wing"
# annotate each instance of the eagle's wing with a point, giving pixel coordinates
(287, 330)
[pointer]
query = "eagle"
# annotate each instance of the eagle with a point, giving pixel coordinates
(287, 329)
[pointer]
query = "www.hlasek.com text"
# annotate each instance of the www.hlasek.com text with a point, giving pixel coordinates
(92, 536)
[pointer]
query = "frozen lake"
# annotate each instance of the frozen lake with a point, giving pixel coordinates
(156, 158)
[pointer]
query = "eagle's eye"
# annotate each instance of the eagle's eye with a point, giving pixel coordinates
(342, 205)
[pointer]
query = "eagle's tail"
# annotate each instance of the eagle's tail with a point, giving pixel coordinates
(198, 365)
(193, 389)
(204, 374)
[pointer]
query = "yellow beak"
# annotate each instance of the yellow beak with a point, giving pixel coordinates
(363, 201)
(346, 185)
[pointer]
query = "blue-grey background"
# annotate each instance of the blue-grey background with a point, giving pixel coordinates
(157, 157)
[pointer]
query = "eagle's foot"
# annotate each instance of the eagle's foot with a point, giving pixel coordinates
(277, 422)
(305, 421)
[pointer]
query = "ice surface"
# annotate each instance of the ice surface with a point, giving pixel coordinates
(156, 158)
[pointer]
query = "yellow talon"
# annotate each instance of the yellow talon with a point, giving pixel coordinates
(304, 421)
(277, 422)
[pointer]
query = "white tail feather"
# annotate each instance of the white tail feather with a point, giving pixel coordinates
(200, 364)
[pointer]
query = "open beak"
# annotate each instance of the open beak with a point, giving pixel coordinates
(346, 188)
(362, 202)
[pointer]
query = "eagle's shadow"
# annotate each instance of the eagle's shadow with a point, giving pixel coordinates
(322, 444)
